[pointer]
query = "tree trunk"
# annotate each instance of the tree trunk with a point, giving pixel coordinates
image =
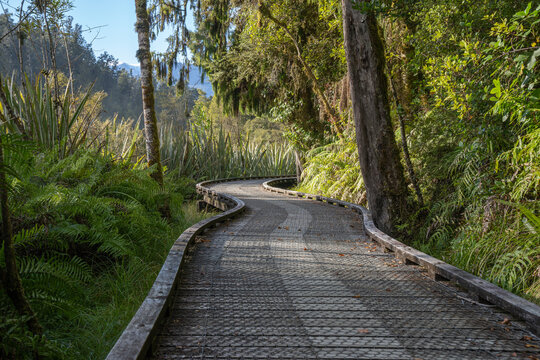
(52, 54)
(20, 55)
(377, 149)
(299, 165)
(10, 277)
(150, 121)
(405, 147)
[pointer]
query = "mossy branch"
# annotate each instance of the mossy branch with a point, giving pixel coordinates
(265, 11)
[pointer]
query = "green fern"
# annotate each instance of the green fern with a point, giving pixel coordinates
(333, 170)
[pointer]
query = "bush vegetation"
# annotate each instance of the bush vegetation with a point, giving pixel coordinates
(218, 146)
(90, 238)
(91, 228)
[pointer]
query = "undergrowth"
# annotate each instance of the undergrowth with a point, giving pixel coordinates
(90, 235)
(91, 227)
(482, 207)
(484, 220)
(203, 153)
(333, 170)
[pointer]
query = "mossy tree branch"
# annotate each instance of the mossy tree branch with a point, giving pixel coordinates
(265, 11)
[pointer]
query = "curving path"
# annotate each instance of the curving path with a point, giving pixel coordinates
(294, 278)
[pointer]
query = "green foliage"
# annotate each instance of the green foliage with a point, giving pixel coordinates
(78, 222)
(209, 113)
(20, 343)
(470, 225)
(51, 126)
(17, 154)
(214, 145)
(122, 139)
(478, 144)
(514, 53)
(521, 166)
(333, 170)
(91, 230)
(485, 69)
(504, 248)
(466, 77)
(263, 131)
(91, 227)
(257, 70)
(118, 293)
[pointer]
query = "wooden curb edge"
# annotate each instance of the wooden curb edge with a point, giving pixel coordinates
(479, 289)
(137, 340)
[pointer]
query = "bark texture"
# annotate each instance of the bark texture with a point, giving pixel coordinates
(377, 149)
(150, 121)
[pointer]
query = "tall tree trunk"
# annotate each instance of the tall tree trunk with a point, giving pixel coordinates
(52, 54)
(150, 121)
(10, 277)
(377, 149)
(299, 165)
(20, 55)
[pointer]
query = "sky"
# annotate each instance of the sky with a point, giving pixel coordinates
(110, 26)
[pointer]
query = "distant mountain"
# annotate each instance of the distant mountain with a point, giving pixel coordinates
(134, 69)
(194, 77)
(196, 82)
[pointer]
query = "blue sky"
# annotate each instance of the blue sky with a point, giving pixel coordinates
(116, 34)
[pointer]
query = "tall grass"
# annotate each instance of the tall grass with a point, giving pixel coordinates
(496, 238)
(203, 154)
(199, 152)
(507, 253)
(70, 124)
(122, 139)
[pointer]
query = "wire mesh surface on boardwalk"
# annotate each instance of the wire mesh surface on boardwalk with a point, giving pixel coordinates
(295, 279)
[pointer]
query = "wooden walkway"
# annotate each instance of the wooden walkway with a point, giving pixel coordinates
(296, 279)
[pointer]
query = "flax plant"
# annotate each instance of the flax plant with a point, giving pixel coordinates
(202, 153)
(33, 112)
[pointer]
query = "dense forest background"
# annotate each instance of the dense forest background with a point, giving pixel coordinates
(117, 86)
(87, 228)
